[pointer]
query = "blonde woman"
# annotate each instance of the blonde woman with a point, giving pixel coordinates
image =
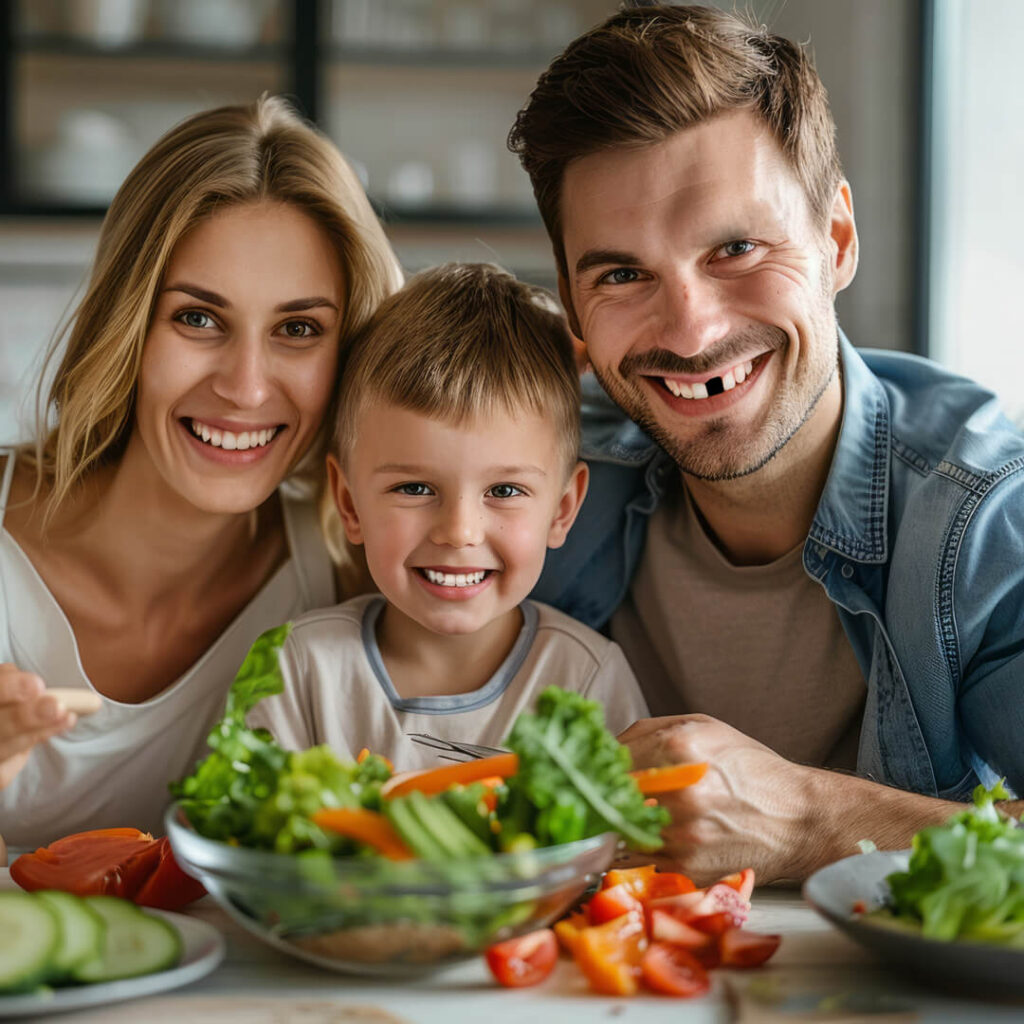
(169, 516)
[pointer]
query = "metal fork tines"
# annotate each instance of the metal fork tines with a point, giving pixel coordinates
(451, 748)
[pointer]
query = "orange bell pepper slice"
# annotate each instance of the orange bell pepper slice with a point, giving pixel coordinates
(669, 778)
(610, 954)
(437, 780)
(365, 826)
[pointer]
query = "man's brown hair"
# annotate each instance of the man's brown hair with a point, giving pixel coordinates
(646, 73)
(457, 342)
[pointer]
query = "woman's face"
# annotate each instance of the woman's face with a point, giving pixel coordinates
(240, 357)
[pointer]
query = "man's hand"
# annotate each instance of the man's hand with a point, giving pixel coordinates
(28, 715)
(755, 809)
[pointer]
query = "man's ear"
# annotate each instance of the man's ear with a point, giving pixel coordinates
(338, 485)
(843, 230)
(569, 505)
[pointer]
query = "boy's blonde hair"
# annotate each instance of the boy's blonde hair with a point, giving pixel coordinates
(458, 341)
(221, 158)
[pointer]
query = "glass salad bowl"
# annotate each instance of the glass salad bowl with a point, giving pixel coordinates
(370, 915)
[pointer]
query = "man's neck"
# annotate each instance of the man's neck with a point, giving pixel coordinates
(758, 518)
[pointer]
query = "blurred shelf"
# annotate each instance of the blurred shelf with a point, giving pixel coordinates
(476, 59)
(149, 49)
(456, 213)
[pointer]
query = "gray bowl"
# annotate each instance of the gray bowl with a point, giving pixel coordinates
(978, 969)
(374, 916)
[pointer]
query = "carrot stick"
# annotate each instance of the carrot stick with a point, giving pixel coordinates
(437, 780)
(673, 776)
(365, 826)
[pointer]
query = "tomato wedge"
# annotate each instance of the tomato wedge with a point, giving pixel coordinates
(437, 780)
(614, 902)
(673, 971)
(365, 826)
(112, 861)
(740, 948)
(669, 778)
(525, 960)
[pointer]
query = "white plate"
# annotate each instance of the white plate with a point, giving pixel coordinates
(974, 968)
(202, 950)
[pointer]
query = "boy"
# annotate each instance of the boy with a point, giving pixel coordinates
(455, 468)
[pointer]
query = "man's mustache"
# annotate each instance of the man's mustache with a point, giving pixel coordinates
(736, 348)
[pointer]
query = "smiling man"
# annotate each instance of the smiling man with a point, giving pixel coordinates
(812, 556)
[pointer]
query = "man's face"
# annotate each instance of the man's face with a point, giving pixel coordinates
(703, 290)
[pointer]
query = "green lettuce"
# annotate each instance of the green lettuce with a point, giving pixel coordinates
(965, 878)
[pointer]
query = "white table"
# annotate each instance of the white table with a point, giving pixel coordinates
(257, 985)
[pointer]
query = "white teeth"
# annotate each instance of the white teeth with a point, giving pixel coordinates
(737, 375)
(229, 441)
(449, 579)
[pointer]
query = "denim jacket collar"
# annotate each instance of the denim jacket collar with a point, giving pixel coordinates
(851, 515)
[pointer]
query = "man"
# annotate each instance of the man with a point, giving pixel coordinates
(821, 551)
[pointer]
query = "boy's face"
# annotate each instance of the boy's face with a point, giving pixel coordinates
(455, 518)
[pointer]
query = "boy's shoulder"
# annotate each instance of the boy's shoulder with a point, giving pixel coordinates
(338, 621)
(554, 626)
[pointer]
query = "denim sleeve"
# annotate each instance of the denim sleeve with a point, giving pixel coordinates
(989, 602)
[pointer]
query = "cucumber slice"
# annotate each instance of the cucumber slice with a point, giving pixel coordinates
(29, 934)
(134, 943)
(81, 931)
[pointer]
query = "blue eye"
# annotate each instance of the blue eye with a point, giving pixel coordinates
(413, 490)
(620, 275)
(738, 248)
(196, 319)
(505, 491)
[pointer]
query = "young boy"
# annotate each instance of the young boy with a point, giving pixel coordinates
(456, 468)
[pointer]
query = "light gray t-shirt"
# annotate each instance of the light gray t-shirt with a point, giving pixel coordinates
(337, 689)
(112, 769)
(760, 647)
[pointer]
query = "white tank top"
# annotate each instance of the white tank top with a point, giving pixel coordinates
(113, 768)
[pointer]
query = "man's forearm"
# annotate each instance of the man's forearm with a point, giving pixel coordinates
(848, 808)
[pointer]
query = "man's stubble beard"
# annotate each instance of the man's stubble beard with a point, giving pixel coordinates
(715, 453)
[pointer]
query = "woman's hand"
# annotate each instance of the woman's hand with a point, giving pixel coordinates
(28, 715)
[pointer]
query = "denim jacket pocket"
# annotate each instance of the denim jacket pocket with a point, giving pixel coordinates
(892, 748)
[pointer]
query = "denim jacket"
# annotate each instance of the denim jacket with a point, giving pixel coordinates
(918, 540)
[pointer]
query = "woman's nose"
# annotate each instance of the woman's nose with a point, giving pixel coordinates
(244, 375)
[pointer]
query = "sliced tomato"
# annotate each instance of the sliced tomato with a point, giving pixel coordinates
(713, 924)
(525, 960)
(740, 948)
(667, 927)
(111, 862)
(741, 881)
(613, 902)
(168, 887)
(673, 971)
(705, 903)
(609, 954)
(669, 883)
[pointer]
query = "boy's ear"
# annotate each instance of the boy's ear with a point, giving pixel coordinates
(569, 505)
(343, 501)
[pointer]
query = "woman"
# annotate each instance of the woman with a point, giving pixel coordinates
(147, 538)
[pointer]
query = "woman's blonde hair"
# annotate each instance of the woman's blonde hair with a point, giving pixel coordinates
(216, 159)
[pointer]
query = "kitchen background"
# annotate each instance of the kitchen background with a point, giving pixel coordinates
(420, 94)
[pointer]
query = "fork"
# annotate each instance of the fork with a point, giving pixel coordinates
(452, 750)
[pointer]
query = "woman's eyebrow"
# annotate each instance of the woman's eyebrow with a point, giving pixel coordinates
(293, 306)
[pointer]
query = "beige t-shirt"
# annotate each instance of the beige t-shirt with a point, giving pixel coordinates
(112, 768)
(337, 689)
(760, 647)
